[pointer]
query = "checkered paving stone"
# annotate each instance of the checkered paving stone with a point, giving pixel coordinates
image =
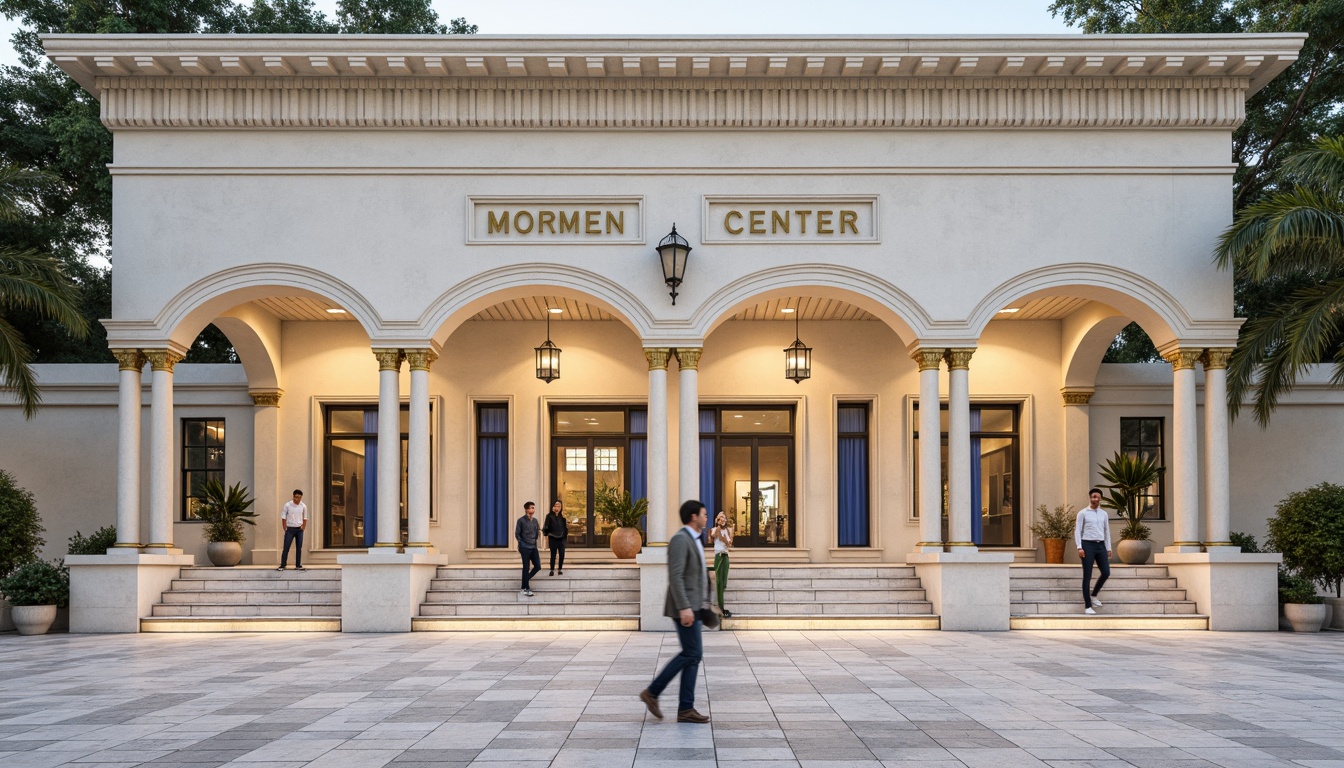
(567, 700)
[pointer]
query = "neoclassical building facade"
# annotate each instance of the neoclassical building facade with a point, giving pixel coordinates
(388, 228)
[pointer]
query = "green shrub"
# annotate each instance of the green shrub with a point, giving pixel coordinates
(224, 511)
(1058, 524)
(1308, 528)
(38, 583)
(615, 506)
(1127, 478)
(20, 527)
(96, 543)
(1246, 541)
(1294, 588)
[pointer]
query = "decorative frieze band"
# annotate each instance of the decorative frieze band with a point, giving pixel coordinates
(789, 103)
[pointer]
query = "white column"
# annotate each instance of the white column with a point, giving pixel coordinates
(1217, 477)
(1077, 442)
(162, 481)
(389, 447)
(657, 471)
(266, 475)
(417, 452)
(1185, 453)
(688, 464)
(930, 452)
(130, 363)
(959, 448)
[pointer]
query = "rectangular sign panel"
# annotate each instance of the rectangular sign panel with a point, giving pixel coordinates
(555, 220)
(817, 219)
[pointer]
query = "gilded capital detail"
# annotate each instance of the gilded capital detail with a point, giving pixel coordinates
(689, 357)
(657, 357)
(928, 359)
(421, 359)
(1183, 359)
(267, 397)
(959, 359)
(162, 359)
(1077, 396)
(389, 359)
(129, 359)
(1216, 357)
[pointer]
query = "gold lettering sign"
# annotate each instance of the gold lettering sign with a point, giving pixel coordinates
(588, 220)
(822, 220)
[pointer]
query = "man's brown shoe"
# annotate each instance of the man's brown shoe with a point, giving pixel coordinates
(651, 702)
(691, 716)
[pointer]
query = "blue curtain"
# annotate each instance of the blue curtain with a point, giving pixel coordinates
(370, 479)
(852, 500)
(708, 472)
(639, 460)
(977, 501)
(492, 480)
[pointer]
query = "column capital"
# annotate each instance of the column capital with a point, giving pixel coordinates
(657, 357)
(162, 359)
(1183, 359)
(266, 397)
(1077, 395)
(688, 357)
(958, 359)
(389, 359)
(420, 359)
(928, 358)
(129, 359)
(1216, 357)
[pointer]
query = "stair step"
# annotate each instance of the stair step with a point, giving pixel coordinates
(530, 609)
(236, 610)
(484, 597)
(1057, 571)
(1075, 594)
(255, 597)
(830, 597)
(913, 608)
(526, 623)
(813, 621)
(1109, 609)
(241, 624)
(315, 573)
(1083, 621)
(595, 586)
(259, 585)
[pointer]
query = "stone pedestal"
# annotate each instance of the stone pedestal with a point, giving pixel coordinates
(382, 591)
(1239, 591)
(969, 590)
(111, 593)
(653, 589)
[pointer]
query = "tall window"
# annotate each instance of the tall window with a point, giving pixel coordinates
(592, 446)
(852, 465)
(492, 474)
(202, 460)
(350, 447)
(746, 470)
(995, 441)
(1142, 437)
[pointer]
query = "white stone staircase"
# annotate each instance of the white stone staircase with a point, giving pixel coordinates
(487, 598)
(249, 599)
(1135, 597)
(867, 596)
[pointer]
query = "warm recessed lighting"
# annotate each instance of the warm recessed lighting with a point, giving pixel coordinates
(1009, 310)
(555, 310)
(737, 415)
(335, 311)
(788, 310)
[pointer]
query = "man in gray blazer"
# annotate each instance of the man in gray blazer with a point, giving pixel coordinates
(686, 593)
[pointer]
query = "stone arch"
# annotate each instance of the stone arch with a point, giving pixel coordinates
(469, 297)
(875, 296)
(1086, 336)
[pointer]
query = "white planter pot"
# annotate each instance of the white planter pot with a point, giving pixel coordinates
(224, 553)
(1337, 619)
(33, 619)
(1304, 617)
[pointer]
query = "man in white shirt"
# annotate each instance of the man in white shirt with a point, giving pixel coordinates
(294, 517)
(1092, 536)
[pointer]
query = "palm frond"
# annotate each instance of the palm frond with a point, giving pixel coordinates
(16, 185)
(1293, 231)
(1321, 167)
(15, 369)
(34, 281)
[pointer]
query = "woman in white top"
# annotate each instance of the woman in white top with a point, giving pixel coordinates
(1092, 536)
(722, 536)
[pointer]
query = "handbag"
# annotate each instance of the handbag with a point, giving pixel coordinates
(709, 617)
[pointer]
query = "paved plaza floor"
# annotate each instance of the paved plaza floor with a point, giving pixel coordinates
(811, 699)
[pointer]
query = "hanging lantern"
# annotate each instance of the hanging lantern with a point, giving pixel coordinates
(797, 356)
(673, 251)
(548, 355)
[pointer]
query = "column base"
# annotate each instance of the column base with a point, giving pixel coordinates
(968, 589)
(160, 549)
(929, 546)
(382, 591)
(1238, 591)
(420, 548)
(653, 588)
(111, 593)
(1184, 548)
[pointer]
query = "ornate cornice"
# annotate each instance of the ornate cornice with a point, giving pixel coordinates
(657, 357)
(689, 357)
(389, 359)
(1183, 359)
(421, 359)
(1077, 396)
(958, 359)
(129, 359)
(928, 358)
(269, 398)
(162, 359)
(1216, 358)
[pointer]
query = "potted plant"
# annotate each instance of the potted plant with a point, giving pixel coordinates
(615, 506)
(1304, 609)
(224, 511)
(1127, 477)
(35, 591)
(1053, 529)
(1308, 529)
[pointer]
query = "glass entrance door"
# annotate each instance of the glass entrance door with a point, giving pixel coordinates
(756, 490)
(583, 464)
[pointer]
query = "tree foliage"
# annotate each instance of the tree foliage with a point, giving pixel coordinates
(20, 527)
(1308, 528)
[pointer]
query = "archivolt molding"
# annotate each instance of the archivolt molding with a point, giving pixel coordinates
(661, 103)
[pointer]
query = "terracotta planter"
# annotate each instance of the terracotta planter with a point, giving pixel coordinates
(1305, 617)
(626, 542)
(1134, 551)
(224, 554)
(1054, 550)
(33, 619)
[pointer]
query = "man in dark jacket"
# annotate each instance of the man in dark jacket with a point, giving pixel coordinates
(556, 529)
(526, 531)
(686, 594)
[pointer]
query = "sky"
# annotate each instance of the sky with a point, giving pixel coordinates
(729, 17)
